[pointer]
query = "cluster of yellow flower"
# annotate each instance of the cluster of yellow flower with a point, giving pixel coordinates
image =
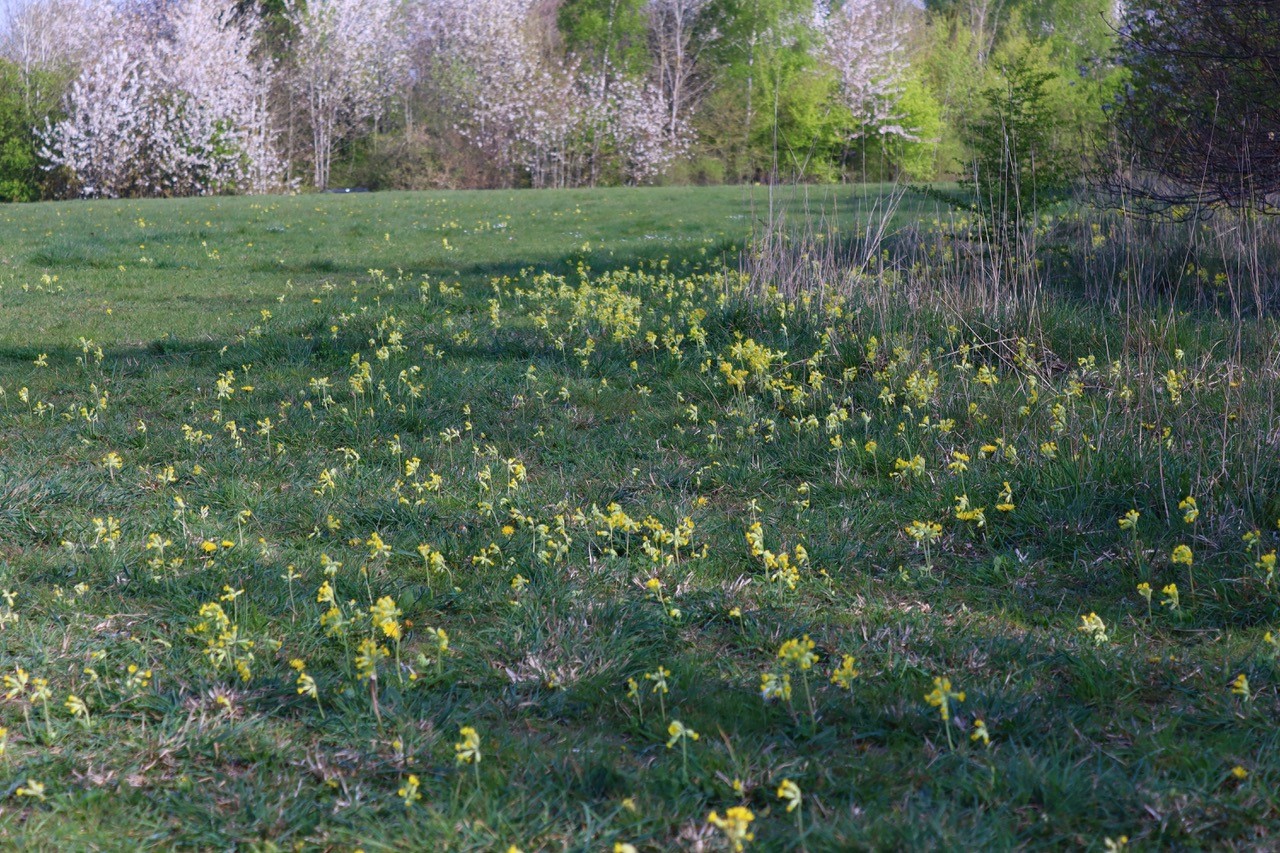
(958, 430)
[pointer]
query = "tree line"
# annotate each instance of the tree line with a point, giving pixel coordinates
(179, 97)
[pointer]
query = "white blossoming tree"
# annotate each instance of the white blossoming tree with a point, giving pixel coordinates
(102, 139)
(350, 57)
(541, 113)
(209, 68)
(864, 42)
(174, 106)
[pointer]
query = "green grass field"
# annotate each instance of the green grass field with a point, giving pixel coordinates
(470, 521)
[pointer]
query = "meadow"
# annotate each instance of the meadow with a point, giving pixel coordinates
(527, 520)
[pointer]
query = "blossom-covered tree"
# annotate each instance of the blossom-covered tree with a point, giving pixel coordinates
(542, 113)
(864, 43)
(175, 106)
(350, 57)
(209, 70)
(647, 131)
(102, 139)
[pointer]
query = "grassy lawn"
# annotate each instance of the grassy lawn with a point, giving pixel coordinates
(225, 259)
(305, 500)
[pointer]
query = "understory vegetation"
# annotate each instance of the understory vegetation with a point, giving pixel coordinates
(552, 521)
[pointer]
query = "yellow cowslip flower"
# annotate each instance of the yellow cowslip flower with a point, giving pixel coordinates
(40, 691)
(790, 792)
(307, 686)
(1144, 590)
(980, 733)
(432, 559)
(16, 684)
(679, 731)
(1240, 687)
(659, 679)
(377, 548)
(368, 653)
(904, 468)
(924, 531)
(409, 791)
(1181, 555)
(1190, 512)
(1239, 772)
(137, 679)
(1170, 599)
(467, 750)
(965, 512)
(773, 686)
(1006, 498)
(844, 674)
(77, 706)
(32, 789)
(332, 622)
(736, 826)
(1129, 521)
(755, 539)
(941, 697)
(1267, 563)
(798, 653)
(1094, 627)
(386, 615)
(1272, 640)
(623, 847)
(325, 594)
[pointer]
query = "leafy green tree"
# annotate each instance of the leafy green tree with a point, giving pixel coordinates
(1025, 144)
(22, 177)
(917, 157)
(772, 113)
(1079, 31)
(608, 34)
